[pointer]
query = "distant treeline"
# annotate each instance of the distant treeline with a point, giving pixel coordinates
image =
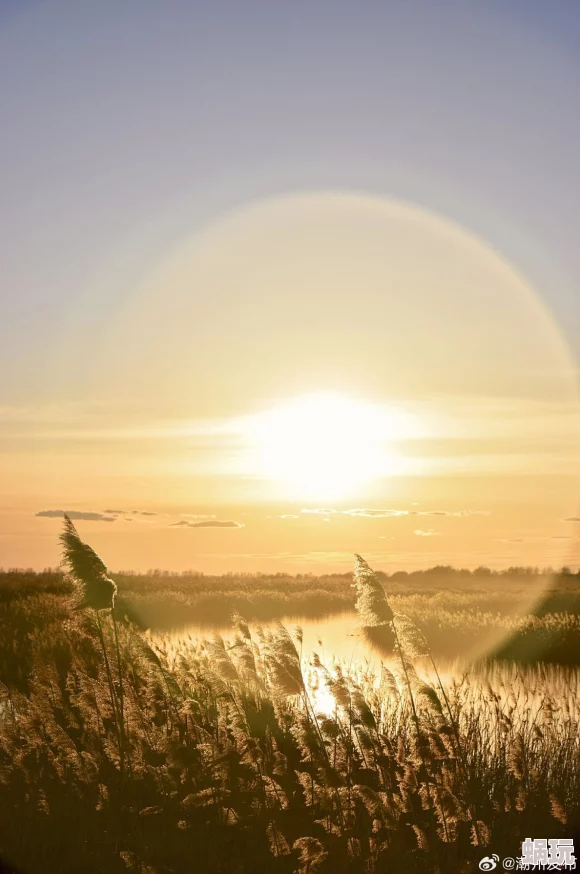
(53, 579)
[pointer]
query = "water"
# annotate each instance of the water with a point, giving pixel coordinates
(338, 638)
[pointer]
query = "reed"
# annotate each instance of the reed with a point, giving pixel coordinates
(129, 753)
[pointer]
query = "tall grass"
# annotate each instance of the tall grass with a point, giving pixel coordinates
(244, 754)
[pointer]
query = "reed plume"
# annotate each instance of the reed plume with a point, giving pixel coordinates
(88, 571)
(97, 591)
(371, 603)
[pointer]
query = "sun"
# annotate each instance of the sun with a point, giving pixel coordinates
(324, 446)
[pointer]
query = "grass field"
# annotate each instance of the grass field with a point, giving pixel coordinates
(250, 754)
(455, 609)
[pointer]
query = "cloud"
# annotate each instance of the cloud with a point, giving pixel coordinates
(208, 523)
(378, 514)
(132, 512)
(372, 513)
(319, 512)
(357, 511)
(532, 538)
(289, 516)
(428, 533)
(454, 513)
(76, 514)
(198, 516)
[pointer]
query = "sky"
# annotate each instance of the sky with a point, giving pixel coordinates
(283, 281)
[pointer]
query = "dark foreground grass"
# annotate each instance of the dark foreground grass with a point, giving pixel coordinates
(248, 755)
(235, 760)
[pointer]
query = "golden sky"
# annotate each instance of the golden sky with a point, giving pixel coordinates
(303, 378)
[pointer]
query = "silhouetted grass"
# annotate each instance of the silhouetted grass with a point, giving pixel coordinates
(246, 754)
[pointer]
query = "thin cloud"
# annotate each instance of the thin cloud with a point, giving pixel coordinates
(132, 512)
(375, 514)
(428, 533)
(76, 514)
(357, 511)
(208, 523)
(319, 512)
(372, 513)
(289, 516)
(454, 513)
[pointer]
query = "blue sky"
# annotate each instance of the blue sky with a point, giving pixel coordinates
(127, 125)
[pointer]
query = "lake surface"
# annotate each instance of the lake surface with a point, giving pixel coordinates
(338, 638)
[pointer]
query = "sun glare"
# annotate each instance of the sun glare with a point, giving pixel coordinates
(324, 446)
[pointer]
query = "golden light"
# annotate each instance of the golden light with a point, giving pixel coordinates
(324, 446)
